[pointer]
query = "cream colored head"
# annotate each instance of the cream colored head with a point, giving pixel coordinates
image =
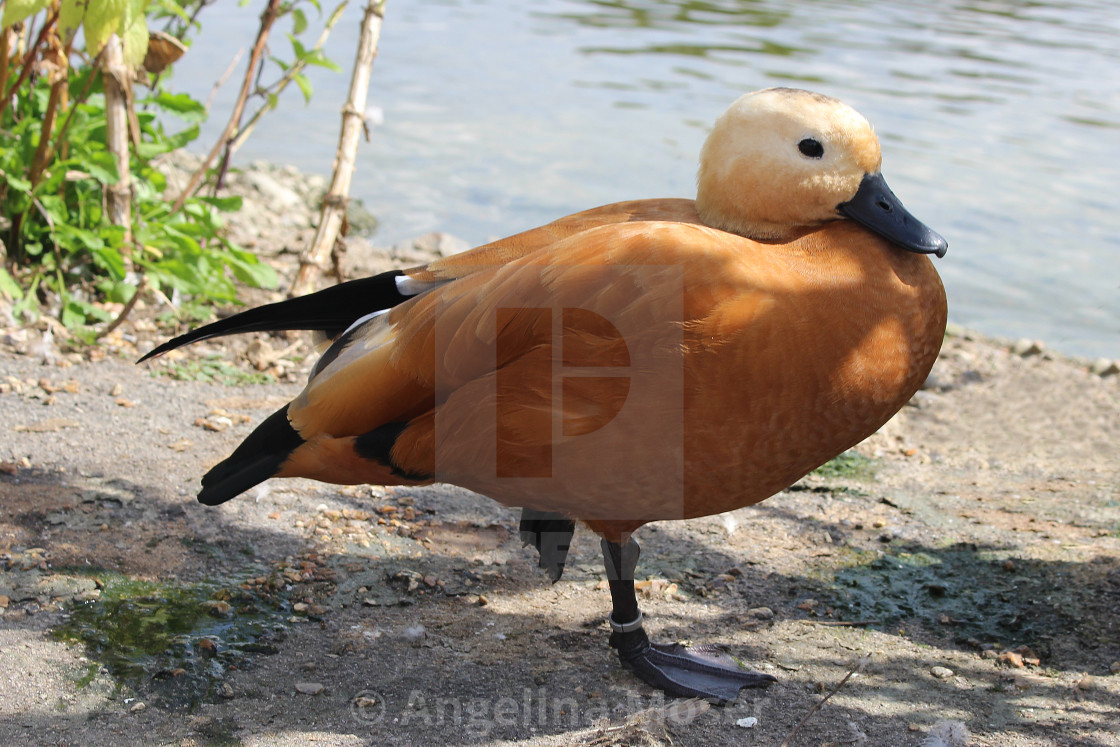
(760, 178)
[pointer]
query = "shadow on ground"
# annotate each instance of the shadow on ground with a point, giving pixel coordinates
(416, 616)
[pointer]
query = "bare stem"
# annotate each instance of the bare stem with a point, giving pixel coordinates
(267, 19)
(333, 213)
(25, 65)
(858, 666)
(115, 79)
(289, 75)
(128, 307)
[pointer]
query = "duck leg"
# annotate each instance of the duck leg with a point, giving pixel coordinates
(551, 533)
(699, 671)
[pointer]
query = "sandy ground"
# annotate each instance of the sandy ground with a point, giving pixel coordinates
(985, 519)
(966, 564)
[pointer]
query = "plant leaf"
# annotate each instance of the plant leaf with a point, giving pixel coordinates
(17, 10)
(102, 166)
(299, 21)
(181, 105)
(134, 33)
(70, 17)
(304, 85)
(9, 286)
(103, 18)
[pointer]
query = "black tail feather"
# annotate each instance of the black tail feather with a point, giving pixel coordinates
(258, 458)
(330, 310)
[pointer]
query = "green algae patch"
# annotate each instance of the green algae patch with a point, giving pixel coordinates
(851, 465)
(981, 596)
(175, 642)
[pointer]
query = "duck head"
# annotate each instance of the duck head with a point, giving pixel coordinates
(781, 160)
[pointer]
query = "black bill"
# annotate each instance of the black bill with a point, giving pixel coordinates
(876, 208)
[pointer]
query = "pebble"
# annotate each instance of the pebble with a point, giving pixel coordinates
(942, 673)
(218, 608)
(1114, 667)
(762, 613)
(309, 688)
(1088, 682)
(1104, 367)
(747, 722)
(137, 707)
(1024, 347)
(1012, 658)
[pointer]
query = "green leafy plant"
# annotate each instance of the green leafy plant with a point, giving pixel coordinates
(83, 217)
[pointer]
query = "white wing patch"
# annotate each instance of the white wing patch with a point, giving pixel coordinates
(407, 286)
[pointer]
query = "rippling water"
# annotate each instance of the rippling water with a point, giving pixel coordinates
(1000, 124)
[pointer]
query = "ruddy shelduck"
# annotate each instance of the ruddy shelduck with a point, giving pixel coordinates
(647, 360)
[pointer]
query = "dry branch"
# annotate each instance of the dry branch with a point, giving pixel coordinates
(267, 19)
(353, 120)
(857, 667)
(116, 79)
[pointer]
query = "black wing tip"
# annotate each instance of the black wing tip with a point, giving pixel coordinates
(259, 457)
(330, 310)
(162, 348)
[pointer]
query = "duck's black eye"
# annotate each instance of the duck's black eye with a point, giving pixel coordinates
(811, 148)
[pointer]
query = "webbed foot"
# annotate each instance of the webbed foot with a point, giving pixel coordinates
(685, 671)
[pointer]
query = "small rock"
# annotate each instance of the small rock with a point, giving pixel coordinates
(278, 195)
(989, 653)
(445, 245)
(762, 613)
(218, 608)
(137, 707)
(807, 605)
(4, 601)
(1104, 367)
(942, 673)
(1088, 682)
(364, 701)
(1025, 348)
(225, 690)
(1114, 667)
(747, 723)
(1012, 658)
(309, 688)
